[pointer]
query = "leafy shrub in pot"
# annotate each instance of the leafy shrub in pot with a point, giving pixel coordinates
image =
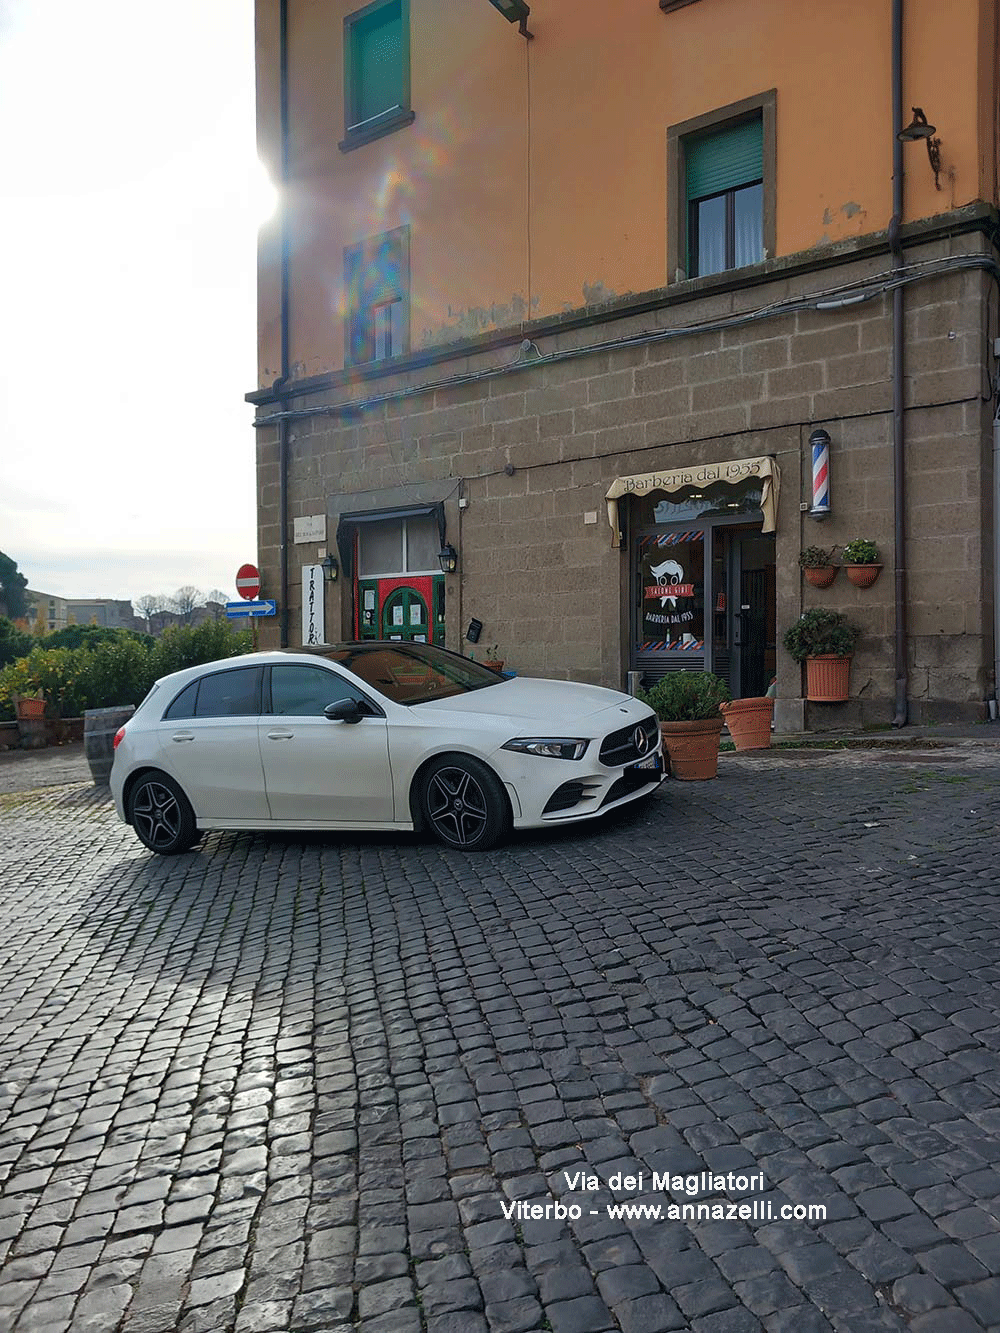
(861, 552)
(816, 557)
(820, 633)
(687, 696)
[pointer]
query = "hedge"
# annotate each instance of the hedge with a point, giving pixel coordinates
(113, 671)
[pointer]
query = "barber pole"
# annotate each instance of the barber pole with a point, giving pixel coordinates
(819, 440)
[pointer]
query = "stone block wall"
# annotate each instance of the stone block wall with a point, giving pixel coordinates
(533, 450)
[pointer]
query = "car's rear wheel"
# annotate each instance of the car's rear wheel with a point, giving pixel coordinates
(161, 815)
(464, 804)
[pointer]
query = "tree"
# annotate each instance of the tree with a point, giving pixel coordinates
(217, 600)
(13, 602)
(186, 599)
(148, 605)
(14, 643)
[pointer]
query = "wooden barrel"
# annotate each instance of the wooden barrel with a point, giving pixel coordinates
(99, 728)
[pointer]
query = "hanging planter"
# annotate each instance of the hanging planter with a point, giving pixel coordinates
(817, 565)
(861, 562)
(749, 722)
(863, 576)
(822, 576)
(827, 679)
(825, 642)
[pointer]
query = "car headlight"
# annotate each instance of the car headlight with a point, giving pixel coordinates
(549, 747)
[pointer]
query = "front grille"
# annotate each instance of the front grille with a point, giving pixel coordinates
(620, 748)
(630, 781)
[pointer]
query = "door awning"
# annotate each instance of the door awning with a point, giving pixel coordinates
(731, 473)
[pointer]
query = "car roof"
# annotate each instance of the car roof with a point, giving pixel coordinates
(273, 656)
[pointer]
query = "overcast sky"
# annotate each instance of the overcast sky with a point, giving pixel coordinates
(130, 195)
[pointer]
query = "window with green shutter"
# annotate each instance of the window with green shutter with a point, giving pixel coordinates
(376, 71)
(724, 173)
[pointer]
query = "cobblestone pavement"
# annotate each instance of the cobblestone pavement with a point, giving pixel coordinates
(295, 1083)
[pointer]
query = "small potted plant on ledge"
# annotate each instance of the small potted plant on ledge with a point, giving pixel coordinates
(492, 658)
(687, 704)
(817, 565)
(861, 562)
(825, 642)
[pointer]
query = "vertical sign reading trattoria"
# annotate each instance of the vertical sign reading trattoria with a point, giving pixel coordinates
(313, 618)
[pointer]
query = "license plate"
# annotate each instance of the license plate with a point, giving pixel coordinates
(652, 762)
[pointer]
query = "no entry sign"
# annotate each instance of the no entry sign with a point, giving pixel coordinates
(248, 582)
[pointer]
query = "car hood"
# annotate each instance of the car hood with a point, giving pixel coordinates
(547, 704)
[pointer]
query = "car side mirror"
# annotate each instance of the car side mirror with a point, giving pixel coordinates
(344, 710)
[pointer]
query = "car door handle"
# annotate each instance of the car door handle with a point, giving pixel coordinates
(281, 735)
(182, 736)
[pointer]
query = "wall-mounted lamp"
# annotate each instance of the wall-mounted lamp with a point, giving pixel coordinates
(449, 559)
(331, 570)
(918, 128)
(515, 11)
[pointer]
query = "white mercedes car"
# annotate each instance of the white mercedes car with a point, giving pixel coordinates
(376, 735)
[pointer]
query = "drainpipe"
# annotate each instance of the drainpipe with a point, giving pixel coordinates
(285, 285)
(898, 454)
(996, 558)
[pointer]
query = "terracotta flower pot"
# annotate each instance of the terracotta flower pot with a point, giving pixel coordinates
(30, 708)
(821, 576)
(827, 679)
(493, 664)
(749, 722)
(863, 576)
(692, 748)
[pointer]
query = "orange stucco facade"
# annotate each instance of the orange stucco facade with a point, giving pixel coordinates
(533, 204)
(534, 176)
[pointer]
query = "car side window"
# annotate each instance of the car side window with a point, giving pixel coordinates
(183, 705)
(301, 691)
(233, 693)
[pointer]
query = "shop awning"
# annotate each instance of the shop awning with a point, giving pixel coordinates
(732, 472)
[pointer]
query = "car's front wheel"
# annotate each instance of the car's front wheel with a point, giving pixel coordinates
(161, 815)
(464, 804)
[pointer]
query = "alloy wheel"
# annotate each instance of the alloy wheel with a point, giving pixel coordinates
(457, 806)
(156, 815)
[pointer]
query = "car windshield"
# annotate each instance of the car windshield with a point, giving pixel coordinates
(412, 673)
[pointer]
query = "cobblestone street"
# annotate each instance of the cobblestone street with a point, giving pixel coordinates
(302, 1083)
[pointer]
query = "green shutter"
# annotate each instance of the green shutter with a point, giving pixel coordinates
(378, 63)
(724, 161)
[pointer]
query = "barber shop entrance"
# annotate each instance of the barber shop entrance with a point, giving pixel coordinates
(702, 577)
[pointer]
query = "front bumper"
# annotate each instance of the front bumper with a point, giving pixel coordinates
(557, 791)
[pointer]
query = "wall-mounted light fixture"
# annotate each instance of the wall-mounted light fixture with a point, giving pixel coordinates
(918, 128)
(515, 11)
(449, 559)
(331, 570)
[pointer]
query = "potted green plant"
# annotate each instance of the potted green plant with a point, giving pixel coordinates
(817, 564)
(825, 642)
(687, 704)
(861, 562)
(493, 660)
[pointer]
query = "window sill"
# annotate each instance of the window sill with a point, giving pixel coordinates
(369, 133)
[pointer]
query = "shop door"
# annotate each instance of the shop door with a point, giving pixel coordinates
(753, 620)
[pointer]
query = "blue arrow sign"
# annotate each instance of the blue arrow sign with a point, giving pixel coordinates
(266, 606)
